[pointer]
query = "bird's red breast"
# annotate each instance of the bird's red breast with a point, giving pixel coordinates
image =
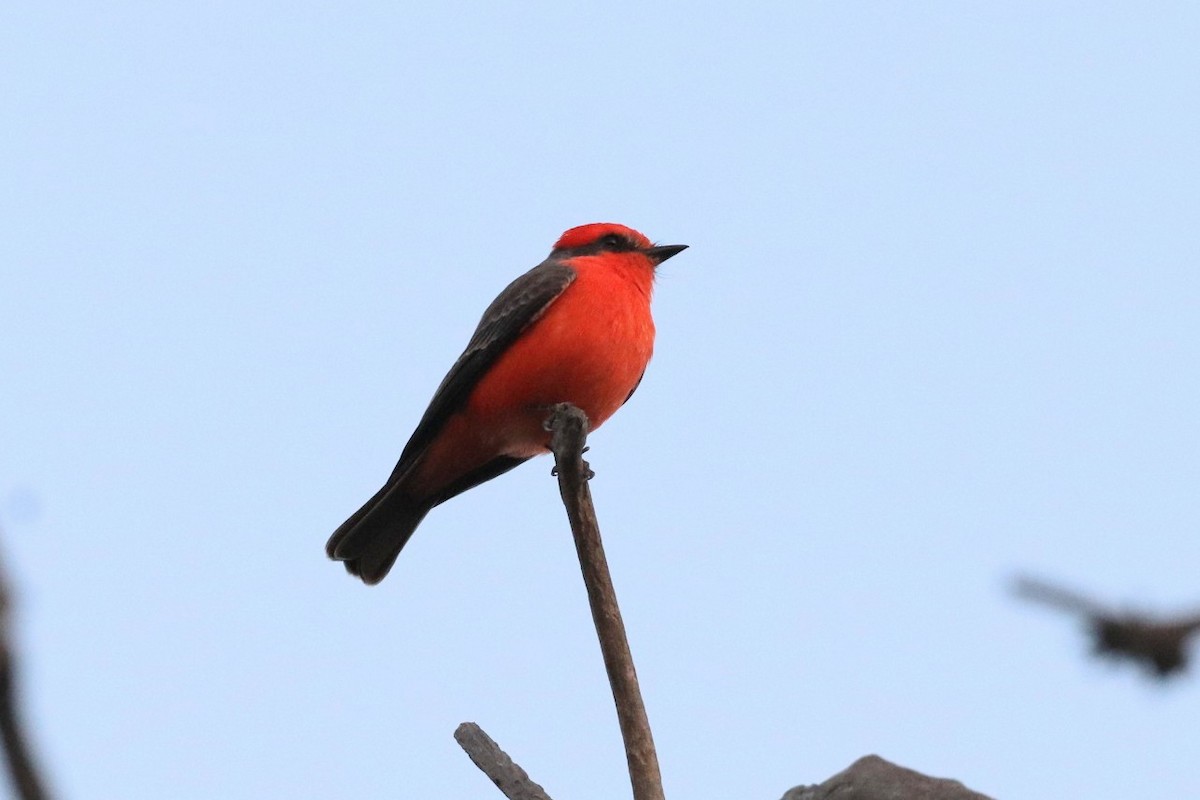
(589, 348)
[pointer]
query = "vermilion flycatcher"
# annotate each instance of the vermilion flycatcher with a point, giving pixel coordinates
(574, 329)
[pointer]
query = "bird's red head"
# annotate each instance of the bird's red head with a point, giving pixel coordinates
(595, 233)
(601, 237)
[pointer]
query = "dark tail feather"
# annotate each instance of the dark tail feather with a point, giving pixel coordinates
(370, 540)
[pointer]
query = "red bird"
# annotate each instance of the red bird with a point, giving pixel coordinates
(575, 329)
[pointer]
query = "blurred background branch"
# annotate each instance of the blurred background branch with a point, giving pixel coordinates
(26, 779)
(1158, 644)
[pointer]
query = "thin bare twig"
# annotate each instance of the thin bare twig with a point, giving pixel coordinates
(569, 426)
(508, 776)
(25, 777)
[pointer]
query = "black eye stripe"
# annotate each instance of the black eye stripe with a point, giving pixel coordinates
(615, 241)
(608, 243)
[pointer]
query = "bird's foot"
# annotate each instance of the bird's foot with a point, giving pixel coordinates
(586, 470)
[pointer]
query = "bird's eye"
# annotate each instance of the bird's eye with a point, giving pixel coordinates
(614, 240)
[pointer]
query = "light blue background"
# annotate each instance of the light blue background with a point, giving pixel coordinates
(938, 323)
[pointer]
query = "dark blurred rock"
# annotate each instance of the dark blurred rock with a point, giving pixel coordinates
(874, 778)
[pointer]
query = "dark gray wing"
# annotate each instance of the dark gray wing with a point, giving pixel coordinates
(635, 388)
(513, 310)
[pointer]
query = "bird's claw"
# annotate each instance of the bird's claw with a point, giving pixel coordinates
(585, 470)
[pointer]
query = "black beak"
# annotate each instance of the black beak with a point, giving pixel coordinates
(660, 253)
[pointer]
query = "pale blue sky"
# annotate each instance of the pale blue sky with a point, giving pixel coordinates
(938, 323)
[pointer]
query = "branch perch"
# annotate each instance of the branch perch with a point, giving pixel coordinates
(568, 426)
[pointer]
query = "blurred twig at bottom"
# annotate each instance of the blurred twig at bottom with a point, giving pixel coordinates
(508, 776)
